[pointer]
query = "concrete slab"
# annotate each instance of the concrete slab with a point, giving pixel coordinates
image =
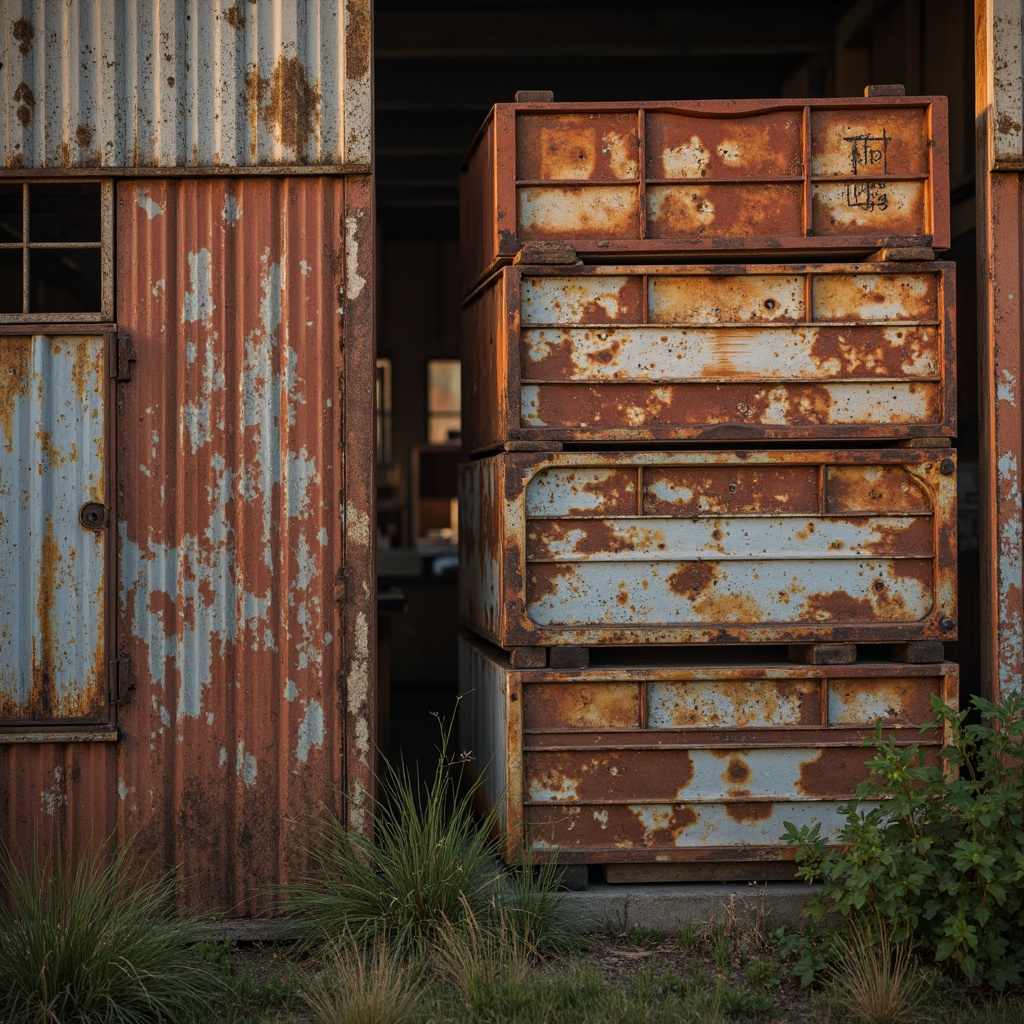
(668, 908)
(616, 908)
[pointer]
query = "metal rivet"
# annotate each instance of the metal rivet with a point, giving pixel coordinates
(946, 466)
(947, 624)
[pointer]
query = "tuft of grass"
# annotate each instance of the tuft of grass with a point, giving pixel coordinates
(477, 955)
(878, 981)
(430, 867)
(82, 943)
(363, 985)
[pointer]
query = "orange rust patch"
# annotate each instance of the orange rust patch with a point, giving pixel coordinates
(749, 811)
(693, 579)
(682, 819)
(44, 669)
(357, 39)
(737, 772)
(837, 606)
(15, 360)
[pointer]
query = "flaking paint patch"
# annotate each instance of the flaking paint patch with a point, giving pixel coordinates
(159, 286)
(198, 303)
(354, 281)
(1007, 389)
(1011, 631)
(231, 212)
(55, 797)
(245, 765)
(151, 207)
(291, 691)
(311, 730)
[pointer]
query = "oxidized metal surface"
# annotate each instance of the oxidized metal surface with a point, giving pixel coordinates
(1000, 207)
(204, 84)
(53, 570)
(247, 600)
(46, 788)
(668, 353)
(846, 175)
(710, 547)
(660, 761)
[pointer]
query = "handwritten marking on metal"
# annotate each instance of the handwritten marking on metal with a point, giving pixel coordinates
(867, 195)
(868, 150)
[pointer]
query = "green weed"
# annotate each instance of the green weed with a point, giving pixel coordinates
(939, 858)
(86, 944)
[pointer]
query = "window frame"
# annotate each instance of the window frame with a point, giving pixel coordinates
(105, 314)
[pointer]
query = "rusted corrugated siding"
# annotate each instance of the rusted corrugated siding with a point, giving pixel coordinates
(710, 547)
(53, 569)
(847, 175)
(1001, 333)
(46, 787)
(200, 84)
(238, 521)
(738, 351)
(649, 761)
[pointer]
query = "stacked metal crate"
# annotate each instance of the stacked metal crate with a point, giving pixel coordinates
(708, 526)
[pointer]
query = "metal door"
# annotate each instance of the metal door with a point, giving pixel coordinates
(54, 515)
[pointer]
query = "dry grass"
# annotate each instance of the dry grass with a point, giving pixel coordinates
(879, 981)
(359, 985)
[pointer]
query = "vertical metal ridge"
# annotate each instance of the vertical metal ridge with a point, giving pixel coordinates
(166, 84)
(229, 582)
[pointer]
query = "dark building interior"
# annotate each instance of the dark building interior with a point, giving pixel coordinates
(439, 66)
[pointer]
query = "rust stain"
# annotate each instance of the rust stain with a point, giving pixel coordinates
(693, 579)
(24, 32)
(838, 606)
(14, 383)
(737, 773)
(27, 100)
(357, 39)
(833, 773)
(234, 17)
(18, 160)
(291, 111)
(83, 136)
(749, 812)
(44, 669)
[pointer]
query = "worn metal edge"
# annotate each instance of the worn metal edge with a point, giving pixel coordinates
(59, 736)
(98, 171)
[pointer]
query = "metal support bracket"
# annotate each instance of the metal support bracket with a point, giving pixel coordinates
(122, 357)
(120, 681)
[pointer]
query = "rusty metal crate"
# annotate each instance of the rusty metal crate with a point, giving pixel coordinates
(583, 548)
(722, 176)
(661, 763)
(665, 353)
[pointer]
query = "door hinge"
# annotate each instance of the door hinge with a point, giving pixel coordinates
(122, 356)
(120, 681)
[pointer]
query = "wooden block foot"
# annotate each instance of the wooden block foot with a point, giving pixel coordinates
(823, 654)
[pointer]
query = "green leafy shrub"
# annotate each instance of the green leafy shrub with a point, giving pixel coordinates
(940, 858)
(83, 943)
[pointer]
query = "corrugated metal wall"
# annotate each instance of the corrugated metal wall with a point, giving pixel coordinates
(230, 460)
(1000, 107)
(244, 484)
(171, 84)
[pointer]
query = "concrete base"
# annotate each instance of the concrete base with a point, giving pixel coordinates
(616, 908)
(667, 908)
